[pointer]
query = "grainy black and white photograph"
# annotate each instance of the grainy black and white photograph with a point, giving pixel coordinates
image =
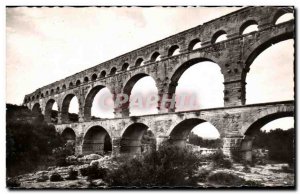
(150, 97)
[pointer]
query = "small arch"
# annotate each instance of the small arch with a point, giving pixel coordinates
(64, 86)
(57, 89)
(125, 66)
(96, 141)
(78, 82)
(131, 138)
(155, 57)
(248, 27)
(42, 95)
(103, 74)
(71, 85)
(86, 79)
(94, 77)
(113, 71)
(173, 50)
(194, 44)
(52, 91)
(37, 96)
(219, 36)
(139, 62)
(47, 93)
(283, 15)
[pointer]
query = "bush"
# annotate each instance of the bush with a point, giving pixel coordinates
(72, 174)
(55, 177)
(12, 183)
(220, 161)
(225, 179)
(169, 166)
(42, 178)
(94, 172)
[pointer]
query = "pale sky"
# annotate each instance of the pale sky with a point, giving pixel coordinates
(47, 44)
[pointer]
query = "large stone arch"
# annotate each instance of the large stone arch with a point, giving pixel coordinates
(89, 98)
(94, 141)
(128, 86)
(131, 138)
(259, 46)
(48, 109)
(183, 66)
(179, 131)
(65, 107)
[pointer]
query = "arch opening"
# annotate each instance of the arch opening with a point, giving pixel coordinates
(190, 83)
(271, 77)
(99, 104)
(139, 62)
(248, 27)
(70, 109)
(137, 139)
(194, 44)
(219, 36)
(36, 109)
(197, 134)
(282, 17)
(113, 71)
(69, 135)
(102, 74)
(270, 138)
(71, 85)
(125, 67)
(51, 112)
(78, 82)
(173, 50)
(94, 77)
(143, 95)
(97, 141)
(155, 57)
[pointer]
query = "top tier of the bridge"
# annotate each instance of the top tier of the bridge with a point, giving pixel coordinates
(231, 24)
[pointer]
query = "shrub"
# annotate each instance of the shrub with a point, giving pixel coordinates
(225, 179)
(12, 183)
(72, 174)
(252, 183)
(55, 177)
(42, 178)
(94, 172)
(169, 166)
(246, 169)
(201, 175)
(220, 161)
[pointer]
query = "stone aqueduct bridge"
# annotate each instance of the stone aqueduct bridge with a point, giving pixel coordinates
(235, 121)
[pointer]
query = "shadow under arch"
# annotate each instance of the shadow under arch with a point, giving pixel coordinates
(131, 141)
(68, 134)
(96, 141)
(179, 134)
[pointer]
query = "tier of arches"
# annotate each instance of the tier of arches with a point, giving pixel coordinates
(130, 83)
(137, 138)
(194, 43)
